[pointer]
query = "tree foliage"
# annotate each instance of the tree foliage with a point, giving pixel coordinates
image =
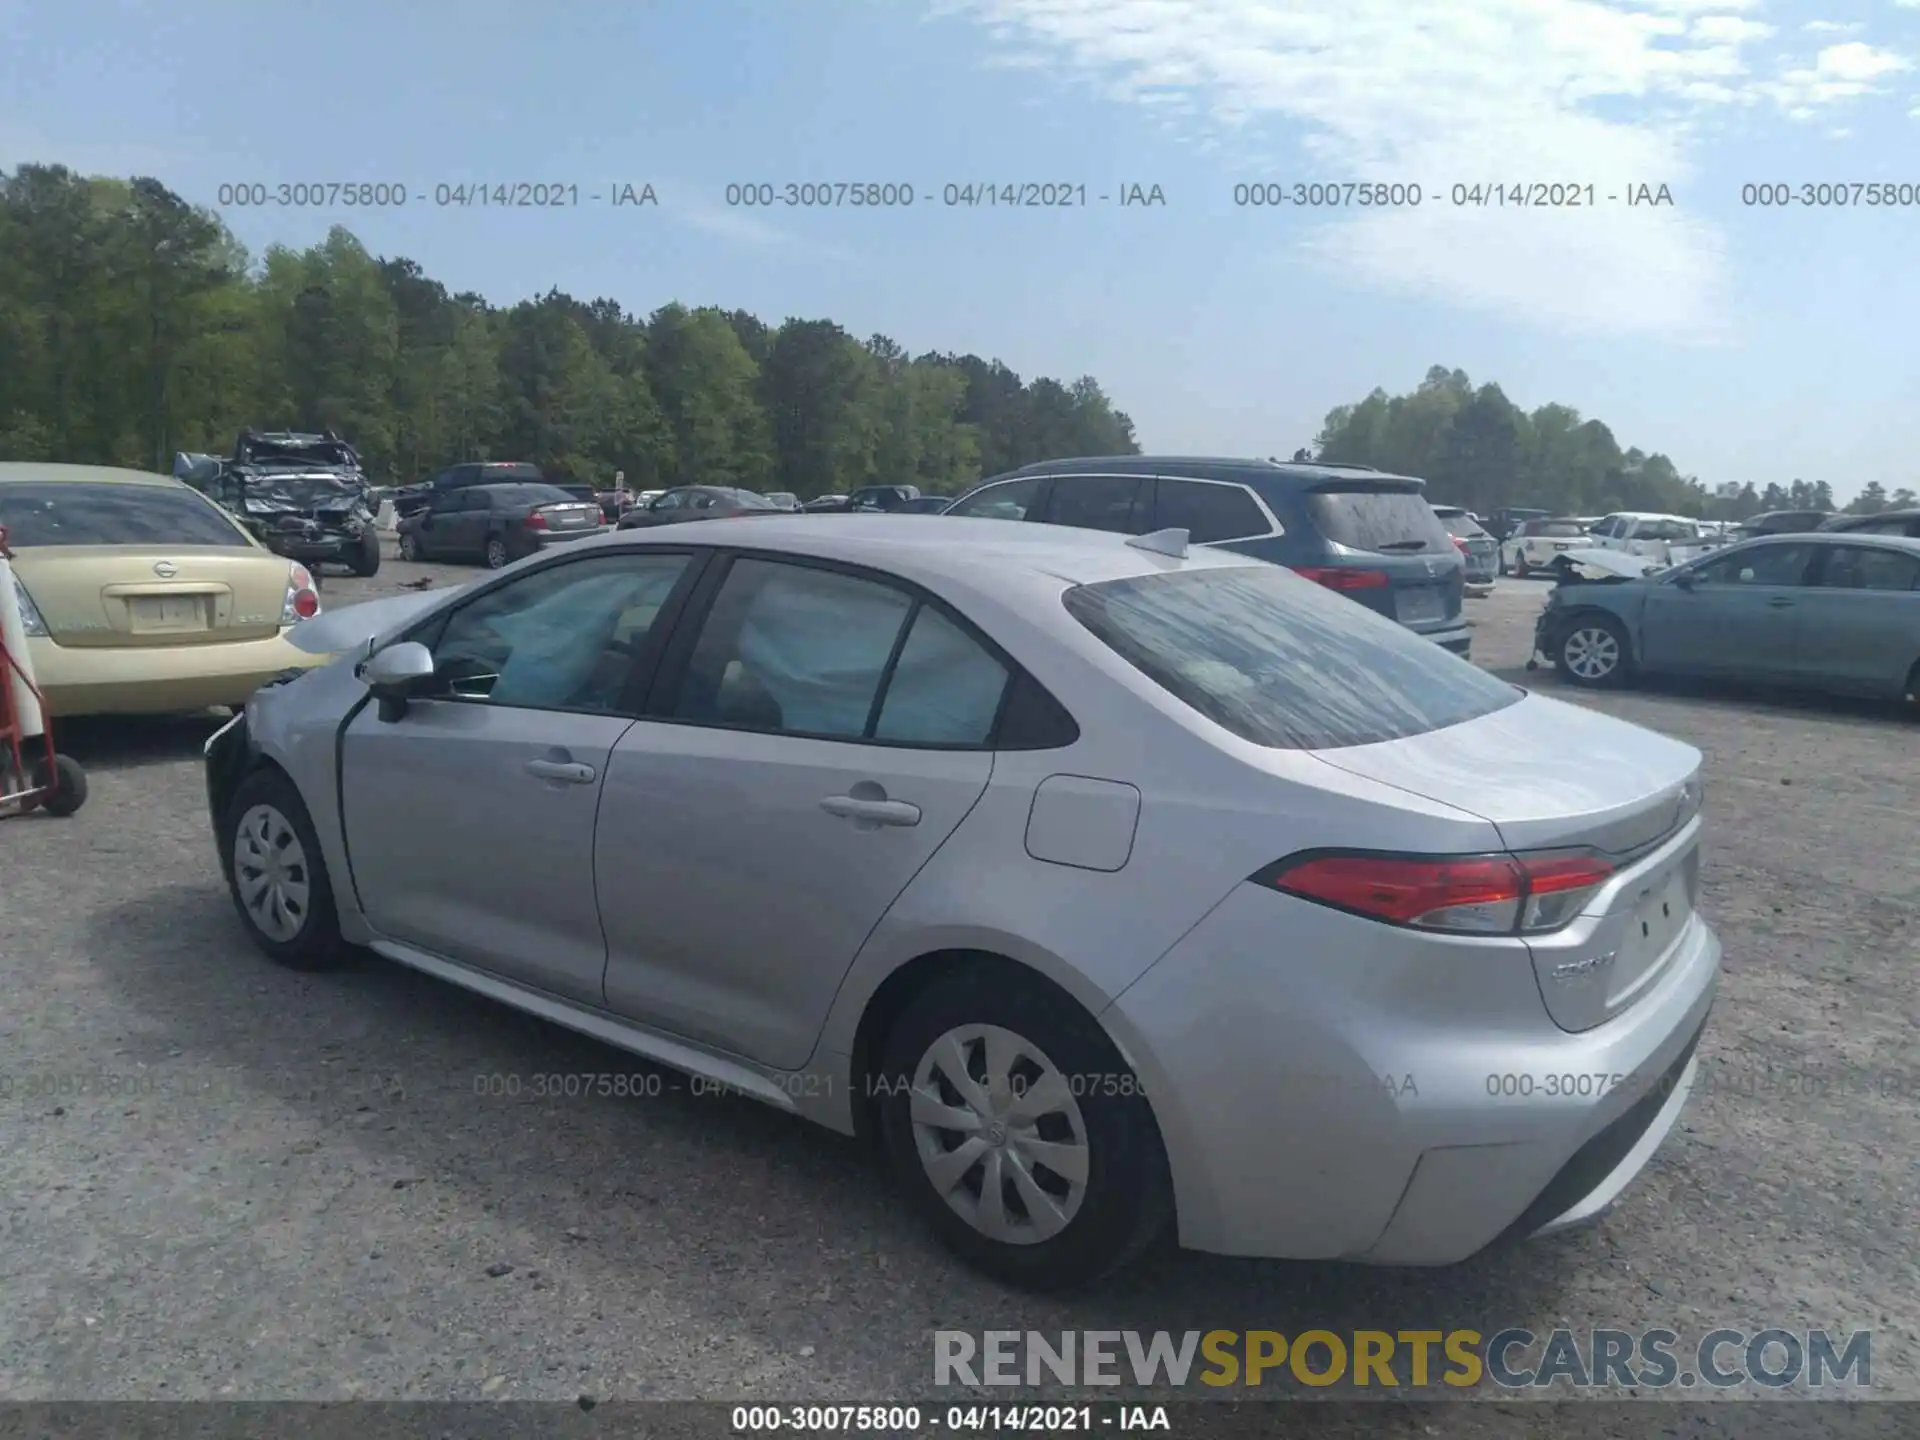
(133, 325)
(1476, 448)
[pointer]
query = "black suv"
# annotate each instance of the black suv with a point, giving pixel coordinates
(1370, 535)
(1885, 522)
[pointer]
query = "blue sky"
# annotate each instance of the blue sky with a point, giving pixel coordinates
(1747, 343)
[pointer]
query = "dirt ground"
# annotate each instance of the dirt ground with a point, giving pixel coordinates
(279, 1186)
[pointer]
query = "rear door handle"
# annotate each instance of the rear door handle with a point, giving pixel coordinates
(1780, 602)
(570, 771)
(873, 812)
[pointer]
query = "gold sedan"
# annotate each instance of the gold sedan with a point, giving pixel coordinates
(141, 596)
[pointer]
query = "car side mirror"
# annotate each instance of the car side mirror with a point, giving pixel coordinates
(396, 675)
(1685, 579)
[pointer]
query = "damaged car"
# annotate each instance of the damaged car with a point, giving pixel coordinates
(1831, 612)
(302, 496)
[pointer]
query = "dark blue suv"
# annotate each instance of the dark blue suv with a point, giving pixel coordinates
(1370, 535)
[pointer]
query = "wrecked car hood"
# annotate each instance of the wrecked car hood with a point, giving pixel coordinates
(336, 632)
(268, 491)
(1596, 564)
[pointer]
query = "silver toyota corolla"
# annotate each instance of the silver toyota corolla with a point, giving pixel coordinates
(1112, 885)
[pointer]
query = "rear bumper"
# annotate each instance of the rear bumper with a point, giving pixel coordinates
(159, 679)
(338, 547)
(1457, 637)
(1371, 1110)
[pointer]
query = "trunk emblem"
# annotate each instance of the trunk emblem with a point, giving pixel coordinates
(1580, 969)
(165, 569)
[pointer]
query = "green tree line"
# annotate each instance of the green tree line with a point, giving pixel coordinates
(1476, 448)
(133, 325)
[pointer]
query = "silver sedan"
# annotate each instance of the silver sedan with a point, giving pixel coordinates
(1115, 887)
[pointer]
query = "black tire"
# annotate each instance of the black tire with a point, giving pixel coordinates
(1520, 567)
(1128, 1197)
(1581, 650)
(316, 943)
(69, 782)
(1503, 567)
(367, 561)
(498, 557)
(1912, 690)
(409, 545)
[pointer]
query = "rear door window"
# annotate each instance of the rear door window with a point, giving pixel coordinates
(1208, 511)
(1282, 662)
(1118, 503)
(69, 513)
(1784, 564)
(1864, 567)
(1391, 522)
(1023, 499)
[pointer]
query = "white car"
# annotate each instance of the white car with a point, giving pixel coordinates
(1537, 542)
(1662, 539)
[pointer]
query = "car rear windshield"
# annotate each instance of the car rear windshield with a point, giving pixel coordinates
(1367, 517)
(68, 513)
(500, 472)
(532, 495)
(1283, 662)
(1557, 529)
(1461, 524)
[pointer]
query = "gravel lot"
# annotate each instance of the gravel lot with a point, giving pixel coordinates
(300, 1195)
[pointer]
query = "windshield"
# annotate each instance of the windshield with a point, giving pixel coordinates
(65, 513)
(297, 450)
(533, 495)
(1367, 517)
(1283, 662)
(748, 500)
(1458, 522)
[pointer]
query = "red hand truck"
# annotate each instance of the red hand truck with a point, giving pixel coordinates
(33, 775)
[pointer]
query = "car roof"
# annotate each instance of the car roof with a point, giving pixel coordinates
(1906, 543)
(1299, 473)
(1878, 517)
(928, 548)
(20, 471)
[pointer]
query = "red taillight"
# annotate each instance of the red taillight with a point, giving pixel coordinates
(536, 521)
(1335, 577)
(1460, 545)
(306, 604)
(303, 599)
(1474, 894)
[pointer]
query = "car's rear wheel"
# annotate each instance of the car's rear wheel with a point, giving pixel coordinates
(409, 545)
(366, 560)
(1594, 652)
(277, 876)
(497, 556)
(1017, 1131)
(1520, 566)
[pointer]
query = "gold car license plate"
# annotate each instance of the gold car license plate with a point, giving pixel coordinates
(165, 614)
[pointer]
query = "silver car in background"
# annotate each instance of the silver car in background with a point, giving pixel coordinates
(1821, 611)
(1479, 549)
(1112, 886)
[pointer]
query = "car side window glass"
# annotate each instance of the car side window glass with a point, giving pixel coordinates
(1763, 565)
(561, 638)
(1100, 502)
(1209, 513)
(1859, 567)
(945, 688)
(1009, 500)
(793, 648)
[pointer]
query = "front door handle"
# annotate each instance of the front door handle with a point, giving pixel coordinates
(1780, 602)
(570, 771)
(871, 812)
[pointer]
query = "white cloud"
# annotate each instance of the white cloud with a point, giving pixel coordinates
(1839, 72)
(727, 223)
(1834, 27)
(1606, 92)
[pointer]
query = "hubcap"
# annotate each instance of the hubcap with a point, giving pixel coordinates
(496, 554)
(1000, 1134)
(270, 867)
(1592, 654)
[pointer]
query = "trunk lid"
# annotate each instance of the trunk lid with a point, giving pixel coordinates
(571, 515)
(1388, 527)
(1549, 775)
(125, 596)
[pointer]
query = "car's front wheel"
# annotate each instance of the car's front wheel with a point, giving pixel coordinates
(277, 875)
(409, 545)
(1017, 1131)
(365, 560)
(1594, 652)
